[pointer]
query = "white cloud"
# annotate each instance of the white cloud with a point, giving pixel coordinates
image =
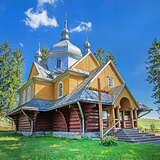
(83, 26)
(39, 18)
(42, 2)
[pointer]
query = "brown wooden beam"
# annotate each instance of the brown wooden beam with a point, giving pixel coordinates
(100, 110)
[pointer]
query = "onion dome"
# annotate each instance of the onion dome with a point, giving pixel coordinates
(64, 46)
(87, 47)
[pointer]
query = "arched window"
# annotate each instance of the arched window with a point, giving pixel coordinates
(60, 89)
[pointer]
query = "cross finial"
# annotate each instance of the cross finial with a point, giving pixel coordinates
(65, 32)
(66, 22)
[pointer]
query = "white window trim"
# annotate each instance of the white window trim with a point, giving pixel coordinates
(59, 96)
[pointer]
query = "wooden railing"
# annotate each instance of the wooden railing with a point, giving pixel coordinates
(111, 128)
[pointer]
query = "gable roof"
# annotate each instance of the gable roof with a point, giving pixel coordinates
(116, 92)
(104, 66)
(42, 72)
(89, 53)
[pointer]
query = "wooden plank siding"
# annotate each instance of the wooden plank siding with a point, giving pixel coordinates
(58, 122)
(43, 122)
(24, 124)
(75, 120)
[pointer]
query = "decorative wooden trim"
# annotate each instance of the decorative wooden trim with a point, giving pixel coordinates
(82, 116)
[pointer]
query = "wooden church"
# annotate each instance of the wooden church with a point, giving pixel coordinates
(74, 95)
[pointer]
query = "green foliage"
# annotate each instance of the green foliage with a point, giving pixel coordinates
(152, 127)
(109, 141)
(153, 70)
(103, 57)
(110, 57)
(146, 123)
(11, 71)
(44, 52)
(100, 55)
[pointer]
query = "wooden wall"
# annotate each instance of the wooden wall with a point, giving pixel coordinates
(87, 64)
(75, 120)
(91, 118)
(59, 122)
(43, 122)
(24, 124)
(65, 120)
(44, 90)
(109, 71)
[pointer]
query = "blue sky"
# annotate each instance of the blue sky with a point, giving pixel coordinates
(126, 28)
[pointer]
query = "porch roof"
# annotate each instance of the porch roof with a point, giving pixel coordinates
(86, 95)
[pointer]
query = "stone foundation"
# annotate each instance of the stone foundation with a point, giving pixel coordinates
(76, 135)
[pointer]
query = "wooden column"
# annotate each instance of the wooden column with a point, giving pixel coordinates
(34, 118)
(123, 119)
(100, 110)
(118, 116)
(132, 120)
(82, 118)
(112, 117)
(136, 117)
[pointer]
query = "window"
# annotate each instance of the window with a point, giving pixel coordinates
(60, 89)
(110, 82)
(59, 63)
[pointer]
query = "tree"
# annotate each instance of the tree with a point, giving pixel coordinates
(44, 52)
(153, 70)
(11, 71)
(103, 57)
(110, 57)
(100, 55)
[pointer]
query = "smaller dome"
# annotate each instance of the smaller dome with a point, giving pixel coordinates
(87, 46)
(65, 34)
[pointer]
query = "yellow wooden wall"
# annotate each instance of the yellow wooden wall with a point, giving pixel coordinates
(44, 90)
(87, 64)
(109, 71)
(74, 82)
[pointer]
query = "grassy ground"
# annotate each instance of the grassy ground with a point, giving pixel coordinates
(14, 147)
(146, 123)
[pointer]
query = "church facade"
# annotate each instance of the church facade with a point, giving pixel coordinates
(64, 96)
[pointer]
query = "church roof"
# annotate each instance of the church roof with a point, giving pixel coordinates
(66, 47)
(43, 72)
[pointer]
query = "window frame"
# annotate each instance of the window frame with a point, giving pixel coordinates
(58, 93)
(110, 81)
(59, 65)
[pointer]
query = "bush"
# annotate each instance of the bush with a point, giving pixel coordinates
(152, 127)
(109, 141)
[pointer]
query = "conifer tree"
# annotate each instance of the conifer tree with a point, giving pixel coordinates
(100, 55)
(11, 71)
(44, 52)
(103, 57)
(110, 57)
(153, 70)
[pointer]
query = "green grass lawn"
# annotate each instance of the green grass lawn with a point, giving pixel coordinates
(146, 123)
(14, 147)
